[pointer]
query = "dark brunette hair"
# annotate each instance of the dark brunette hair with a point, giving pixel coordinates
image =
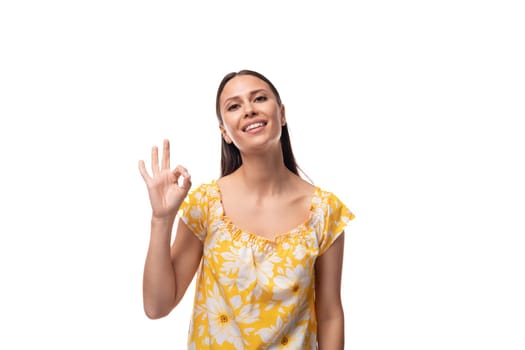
(230, 155)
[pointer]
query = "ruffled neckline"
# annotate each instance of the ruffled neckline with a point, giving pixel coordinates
(295, 233)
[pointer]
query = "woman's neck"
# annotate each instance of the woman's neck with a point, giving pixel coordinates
(263, 175)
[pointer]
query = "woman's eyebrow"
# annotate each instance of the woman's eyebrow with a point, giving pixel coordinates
(251, 93)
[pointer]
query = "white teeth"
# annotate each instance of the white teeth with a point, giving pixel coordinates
(253, 126)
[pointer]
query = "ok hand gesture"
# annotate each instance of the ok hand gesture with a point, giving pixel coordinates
(165, 193)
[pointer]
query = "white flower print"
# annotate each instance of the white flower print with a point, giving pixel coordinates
(291, 284)
(238, 269)
(289, 341)
(264, 266)
(254, 294)
(317, 219)
(195, 212)
(267, 334)
(210, 244)
(245, 314)
(299, 252)
(221, 321)
(201, 331)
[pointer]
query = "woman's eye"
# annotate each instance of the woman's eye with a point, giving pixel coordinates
(261, 98)
(233, 107)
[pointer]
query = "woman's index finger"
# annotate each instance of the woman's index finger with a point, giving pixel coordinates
(166, 155)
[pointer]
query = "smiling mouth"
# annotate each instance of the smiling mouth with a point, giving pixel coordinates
(254, 126)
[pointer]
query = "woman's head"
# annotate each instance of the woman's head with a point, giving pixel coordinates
(231, 158)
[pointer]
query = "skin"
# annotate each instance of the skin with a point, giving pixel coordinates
(263, 181)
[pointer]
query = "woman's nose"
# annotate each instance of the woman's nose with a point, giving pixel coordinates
(249, 111)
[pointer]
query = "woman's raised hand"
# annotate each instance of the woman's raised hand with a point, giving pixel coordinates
(165, 192)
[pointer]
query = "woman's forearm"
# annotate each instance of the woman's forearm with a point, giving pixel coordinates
(330, 332)
(159, 277)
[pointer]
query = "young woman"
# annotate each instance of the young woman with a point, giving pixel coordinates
(267, 245)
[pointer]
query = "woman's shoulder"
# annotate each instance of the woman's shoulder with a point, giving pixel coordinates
(204, 189)
(330, 202)
(325, 191)
(223, 181)
(326, 197)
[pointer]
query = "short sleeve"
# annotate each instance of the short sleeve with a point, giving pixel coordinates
(336, 217)
(194, 211)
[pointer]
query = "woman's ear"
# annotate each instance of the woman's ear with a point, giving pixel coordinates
(225, 134)
(283, 115)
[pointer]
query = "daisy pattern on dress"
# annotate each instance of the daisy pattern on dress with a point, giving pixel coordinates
(195, 212)
(264, 266)
(291, 284)
(299, 251)
(267, 334)
(222, 325)
(246, 314)
(253, 293)
(290, 341)
(238, 268)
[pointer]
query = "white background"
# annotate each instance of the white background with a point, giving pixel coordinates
(410, 111)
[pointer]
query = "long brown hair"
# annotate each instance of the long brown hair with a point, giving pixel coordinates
(231, 158)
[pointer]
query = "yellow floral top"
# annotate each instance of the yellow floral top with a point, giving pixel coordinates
(251, 292)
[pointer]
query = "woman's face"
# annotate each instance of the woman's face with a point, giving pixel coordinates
(252, 118)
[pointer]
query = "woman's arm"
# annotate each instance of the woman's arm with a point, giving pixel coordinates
(329, 308)
(168, 272)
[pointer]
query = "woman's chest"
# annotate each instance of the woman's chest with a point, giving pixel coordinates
(245, 262)
(268, 219)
